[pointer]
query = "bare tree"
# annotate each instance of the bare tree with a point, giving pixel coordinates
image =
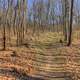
(70, 27)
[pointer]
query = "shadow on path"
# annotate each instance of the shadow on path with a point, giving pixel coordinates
(17, 74)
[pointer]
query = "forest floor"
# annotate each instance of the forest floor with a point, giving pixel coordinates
(45, 59)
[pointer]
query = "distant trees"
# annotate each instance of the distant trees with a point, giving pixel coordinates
(65, 11)
(13, 19)
(41, 16)
(21, 16)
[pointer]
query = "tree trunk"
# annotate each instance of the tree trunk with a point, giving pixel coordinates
(70, 27)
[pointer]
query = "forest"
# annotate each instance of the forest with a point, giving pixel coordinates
(39, 40)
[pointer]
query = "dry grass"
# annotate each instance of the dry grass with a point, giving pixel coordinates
(44, 54)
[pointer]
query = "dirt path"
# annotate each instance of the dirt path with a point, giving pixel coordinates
(55, 62)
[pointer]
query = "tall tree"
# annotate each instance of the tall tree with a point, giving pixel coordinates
(4, 26)
(70, 27)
